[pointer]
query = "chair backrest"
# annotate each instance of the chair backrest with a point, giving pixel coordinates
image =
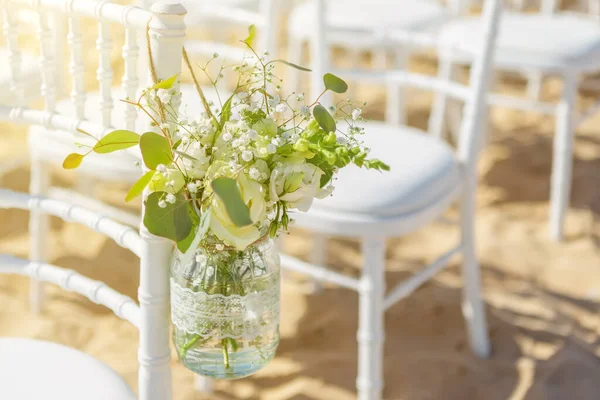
(166, 30)
(223, 14)
(473, 94)
(131, 23)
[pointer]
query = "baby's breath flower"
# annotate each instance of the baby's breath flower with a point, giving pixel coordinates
(219, 247)
(281, 107)
(252, 134)
(162, 204)
(161, 168)
(254, 173)
(356, 114)
(192, 187)
(170, 198)
(271, 148)
(247, 155)
(227, 136)
(305, 111)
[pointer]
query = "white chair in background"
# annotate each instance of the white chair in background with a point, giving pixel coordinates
(426, 177)
(357, 26)
(35, 369)
(167, 32)
(549, 43)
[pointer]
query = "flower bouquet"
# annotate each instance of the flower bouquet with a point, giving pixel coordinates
(221, 185)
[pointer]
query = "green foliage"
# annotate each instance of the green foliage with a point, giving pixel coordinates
(171, 222)
(116, 140)
(325, 120)
(252, 117)
(155, 150)
(251, 34)
(290, 65)
(226, 111)
(73, 161)
(334, 83)
(191, 242)
(228, 192)
(139, 186)
(166, 83)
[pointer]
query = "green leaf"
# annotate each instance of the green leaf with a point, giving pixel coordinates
(334, 83)
(166, 83)
(184, 155)
(155, 150)
(324, 119)
(191, 245)
(228, 192)
(72, 161)
(184, 244)
(139, 186)
(291, 65)
(226, 111)
(116, 140)
(251, 35)
(172, 222)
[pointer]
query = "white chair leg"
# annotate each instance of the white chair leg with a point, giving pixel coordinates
(38, 230)
(563, 157)
(440, 101)
(534, 85)
(318, 256)
(295, 56)
(203, 384)
(473, 307)
(395, 113)
(371, 320)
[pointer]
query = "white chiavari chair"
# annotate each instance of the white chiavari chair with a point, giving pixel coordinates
(426, 178)
(351, 25)
(565, 44)
(32, 369)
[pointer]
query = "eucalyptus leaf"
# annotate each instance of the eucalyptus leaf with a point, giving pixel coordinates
(171, 222)
(228, 192)
(290, 64)
(72, 161)
(139, 186)
(116, 140)
(155, 150)
(184, 244)
(334, 83)
(166, 83)
(324, 119)
(198, 236)
(251, 34)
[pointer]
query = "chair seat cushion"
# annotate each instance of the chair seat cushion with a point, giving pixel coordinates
(35, 369)
(423, 170)
(551, 42)
(356, 18)
(54, 145)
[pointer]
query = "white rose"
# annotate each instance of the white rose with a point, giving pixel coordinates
(196, 168)
(296, 183)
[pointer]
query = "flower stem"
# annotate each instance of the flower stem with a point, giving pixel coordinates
(225, 353)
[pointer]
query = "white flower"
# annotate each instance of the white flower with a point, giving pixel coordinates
(281, 107)
(164, 127)
(254, 173)
(210, 271)
(236, 143)
(305, 111)
(164, 95)
(161, 168)
(252, 134)
(162, 204)
(192, 187)
(341, 140)
(300, 97)
(227, 136)
(274, 102)
(271, 148)
(219, 247)
(356, 114)
(296, 183)
(201, 258)
(247, 155)
(198, 164)
(170, 198)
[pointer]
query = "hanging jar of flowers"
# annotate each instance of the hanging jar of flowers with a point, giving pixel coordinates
(222, 185)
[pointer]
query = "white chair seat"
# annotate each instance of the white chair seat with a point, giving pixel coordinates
(54, 145)
(356, 19)
(423, 171)
(34, 369)
(549, 42)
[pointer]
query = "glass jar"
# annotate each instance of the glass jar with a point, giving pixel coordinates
(225, 308)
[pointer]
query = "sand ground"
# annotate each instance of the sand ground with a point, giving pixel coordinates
(542, 297)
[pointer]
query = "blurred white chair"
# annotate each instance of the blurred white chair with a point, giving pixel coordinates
(35, 369)
(357, 26)
(426, 177)
(548, 43)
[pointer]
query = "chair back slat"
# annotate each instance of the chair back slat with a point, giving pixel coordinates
(47, 61)
(130, 80)
(14, 54)
(77, 67)
(104, 73)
